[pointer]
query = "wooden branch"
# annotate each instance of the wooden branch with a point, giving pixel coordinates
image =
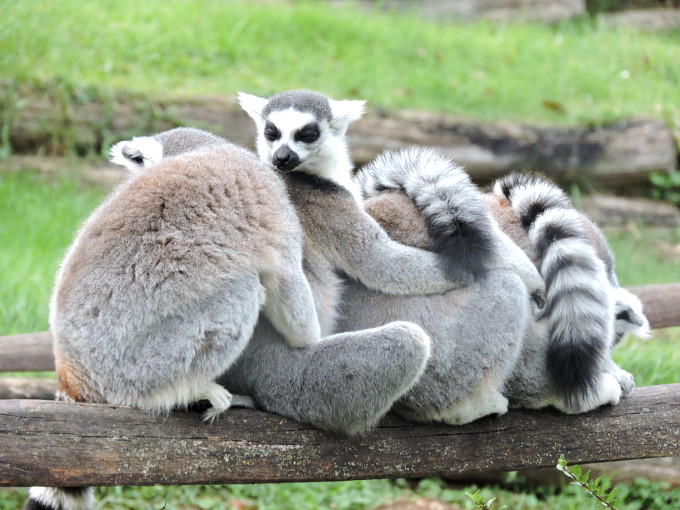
(30, 352)
(661, 303)
(660, 469)
(22, 387)
(69, 444)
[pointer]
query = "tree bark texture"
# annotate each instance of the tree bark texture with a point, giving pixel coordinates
(68, 444)
(28, 352)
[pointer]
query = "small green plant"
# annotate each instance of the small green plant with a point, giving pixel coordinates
(666, 187)
(598, 487)
(479, 502)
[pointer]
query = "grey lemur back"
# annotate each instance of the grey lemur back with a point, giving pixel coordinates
(423, 199)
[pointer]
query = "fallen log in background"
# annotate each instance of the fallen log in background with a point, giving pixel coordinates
(502, 11)
(625, 152)
(43, 388)
(28, 352)
(70, 444)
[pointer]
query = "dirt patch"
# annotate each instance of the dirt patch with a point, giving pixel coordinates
(417, 504)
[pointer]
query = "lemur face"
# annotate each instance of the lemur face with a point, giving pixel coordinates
(300, 130)
(291, 138)
(628, 316)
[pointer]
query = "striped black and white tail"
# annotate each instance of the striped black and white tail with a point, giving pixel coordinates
(60, 498)
(459, 225)
(580, 305)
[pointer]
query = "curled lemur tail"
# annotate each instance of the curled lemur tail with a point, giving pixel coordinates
(579, 305)
(458, 223)
(60, 498)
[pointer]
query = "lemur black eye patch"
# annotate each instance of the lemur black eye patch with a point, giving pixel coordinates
(308, 134)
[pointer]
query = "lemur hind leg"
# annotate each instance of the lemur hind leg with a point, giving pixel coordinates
(345, 383)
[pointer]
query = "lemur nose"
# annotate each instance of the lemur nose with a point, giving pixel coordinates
(285, 159)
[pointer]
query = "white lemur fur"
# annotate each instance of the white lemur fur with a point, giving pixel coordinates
(588, 312)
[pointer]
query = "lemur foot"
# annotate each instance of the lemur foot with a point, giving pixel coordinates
(625, 380)
(475, 407)
(244, 401)
(607, 392)
(220, 400)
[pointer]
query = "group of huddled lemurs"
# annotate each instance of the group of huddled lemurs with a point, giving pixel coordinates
(289, 284)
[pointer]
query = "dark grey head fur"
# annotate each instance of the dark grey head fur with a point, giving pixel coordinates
(301, 100)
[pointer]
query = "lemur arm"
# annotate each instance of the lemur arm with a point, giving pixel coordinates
(362, 249)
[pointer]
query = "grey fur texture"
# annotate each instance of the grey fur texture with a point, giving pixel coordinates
(476, 333)
(300, 100)
(587, 311)
(458, 223)
(162, 288)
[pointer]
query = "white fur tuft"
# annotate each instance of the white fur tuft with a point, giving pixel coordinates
(345, 112)
(148, 149)
(252, 105)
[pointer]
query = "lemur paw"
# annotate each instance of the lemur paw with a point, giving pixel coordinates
(220, 400)
(538, 302)
(626, 381)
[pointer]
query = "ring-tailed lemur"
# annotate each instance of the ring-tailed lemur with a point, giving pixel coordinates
(302, 133)
(588, 312)
(162, 287)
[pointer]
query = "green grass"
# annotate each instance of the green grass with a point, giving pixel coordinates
(358, 495)
(38, 218)
(573, 72)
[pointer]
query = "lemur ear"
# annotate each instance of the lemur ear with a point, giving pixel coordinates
(137, 154)
(345, 112)
(253, 105)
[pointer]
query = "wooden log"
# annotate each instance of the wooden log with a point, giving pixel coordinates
(607, 210)
(650, 20)
(70, 444)
(32, 352)
(29, 352)
(662, 469)
(661, 303)
(549, 11)
(22, 387)
(613, 154)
